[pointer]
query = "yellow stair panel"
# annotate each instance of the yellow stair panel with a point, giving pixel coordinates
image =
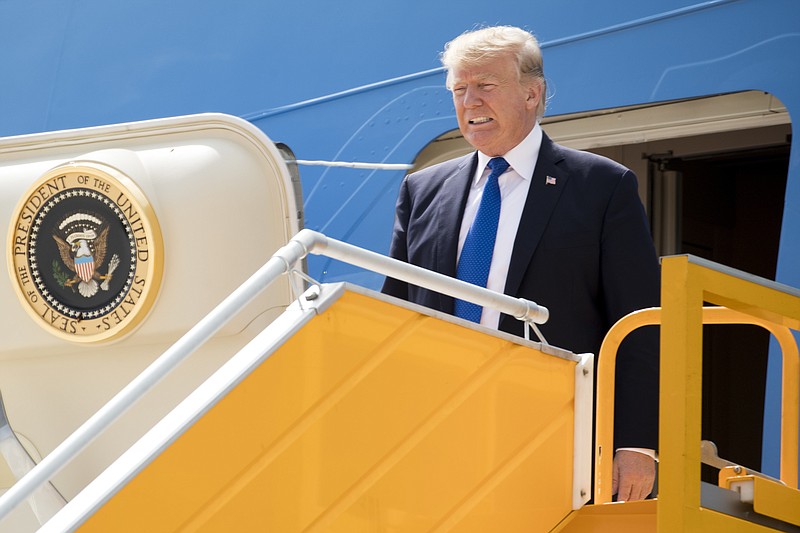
(372, 417)
(629, 517)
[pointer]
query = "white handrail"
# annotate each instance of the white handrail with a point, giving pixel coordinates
(352, 164)
(519, 308)
(305, 242)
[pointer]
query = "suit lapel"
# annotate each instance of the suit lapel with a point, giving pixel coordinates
(450, 210)
(547, 184)
(452, 200)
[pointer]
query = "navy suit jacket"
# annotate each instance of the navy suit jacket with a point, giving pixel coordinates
(583, 250)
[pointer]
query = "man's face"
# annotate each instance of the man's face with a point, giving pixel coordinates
(494, 110)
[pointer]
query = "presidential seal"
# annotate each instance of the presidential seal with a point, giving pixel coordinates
(86, 253)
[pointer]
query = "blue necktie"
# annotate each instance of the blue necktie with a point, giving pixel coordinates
(476, 255)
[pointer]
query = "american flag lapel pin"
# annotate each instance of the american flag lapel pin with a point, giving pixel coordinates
(550, 180)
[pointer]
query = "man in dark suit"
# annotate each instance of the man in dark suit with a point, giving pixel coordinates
(571, 232)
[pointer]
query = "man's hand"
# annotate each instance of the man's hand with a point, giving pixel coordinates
(633, 475)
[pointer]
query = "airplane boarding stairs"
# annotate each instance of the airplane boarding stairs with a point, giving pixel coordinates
(353, 411)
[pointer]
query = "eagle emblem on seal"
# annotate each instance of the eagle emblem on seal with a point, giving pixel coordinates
(83, 249)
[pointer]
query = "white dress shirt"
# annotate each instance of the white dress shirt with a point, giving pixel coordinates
(514, 185)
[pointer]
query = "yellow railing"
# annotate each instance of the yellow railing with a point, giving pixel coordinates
(687, 283)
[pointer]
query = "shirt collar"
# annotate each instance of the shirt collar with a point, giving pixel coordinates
(522, 158)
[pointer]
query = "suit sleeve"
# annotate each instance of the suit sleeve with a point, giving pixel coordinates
(398, 248)
(630, 278)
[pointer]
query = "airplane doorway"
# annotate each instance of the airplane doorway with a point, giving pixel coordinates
(730, 207)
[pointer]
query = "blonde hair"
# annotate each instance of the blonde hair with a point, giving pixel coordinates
(478, 46)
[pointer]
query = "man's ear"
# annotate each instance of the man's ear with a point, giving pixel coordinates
(535, 90)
